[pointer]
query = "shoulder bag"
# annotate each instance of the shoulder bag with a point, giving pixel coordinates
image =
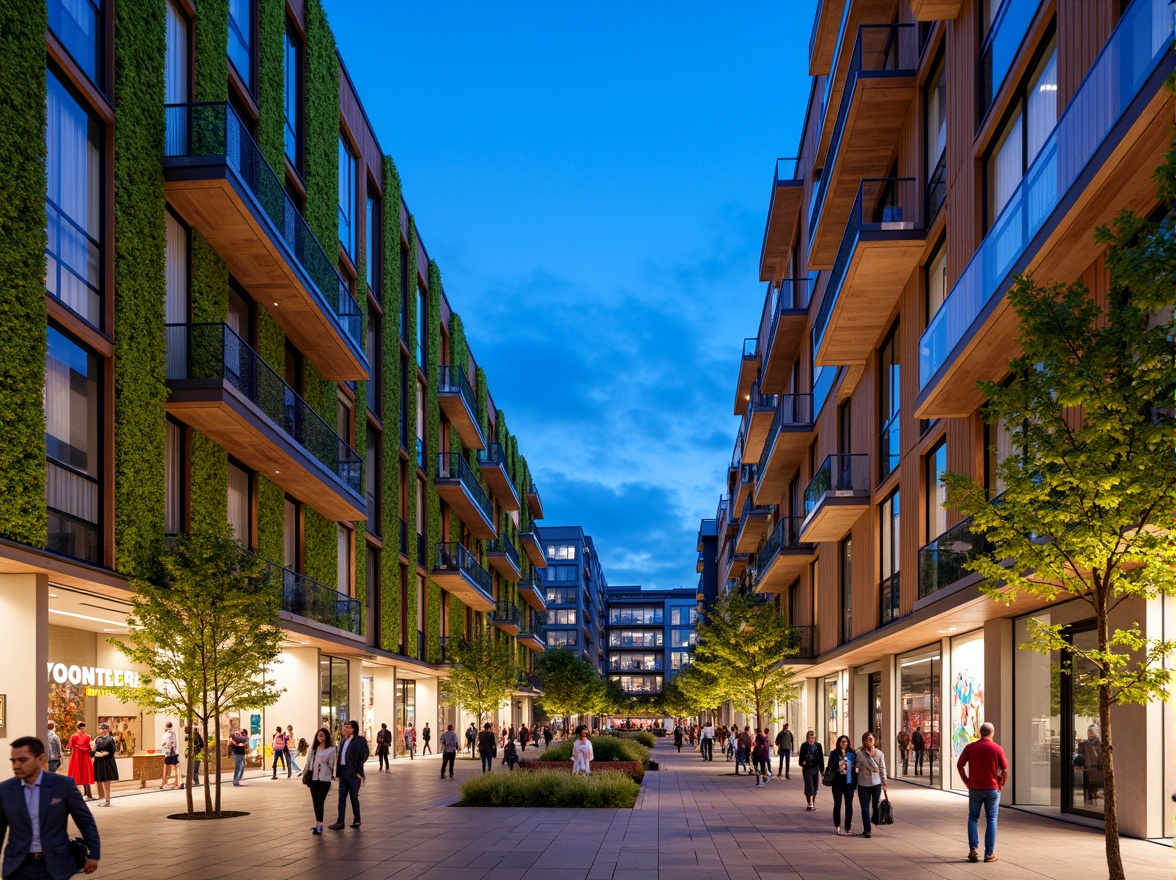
(885, 813)
(831, 773)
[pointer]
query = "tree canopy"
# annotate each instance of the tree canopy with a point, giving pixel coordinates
(571, 686)
(483, 674)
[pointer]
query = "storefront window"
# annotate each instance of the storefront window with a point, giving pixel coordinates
(967, 696)
(833, 707)
(405, 713)
(334, 684)
(917, 741)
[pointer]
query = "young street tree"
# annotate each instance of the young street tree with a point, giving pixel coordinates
(692, 691)
(207, 638)
(570, 686)
(1090, 488)
(483, 674)
(742, 645)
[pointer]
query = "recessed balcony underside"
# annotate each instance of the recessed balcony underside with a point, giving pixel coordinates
(882, 262)
(507, 625)
(833, 517)
(783, 221)
(748, 367)
(935, 10)
(533, 549)
(534, 503)
(530, 593)
(881, 103)
(464, 588)
(824, 36)
(741, 492)
(208, 198)
(219, 410)
(532, 641)
(784, 456)
(738, 565)
(468, 509)
(751, 530)
(785, 567)
(500, 484)
(783, 349)
(503, 564)
(462, 418)
(757, 432)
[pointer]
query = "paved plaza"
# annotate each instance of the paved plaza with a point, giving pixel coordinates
(693, 820)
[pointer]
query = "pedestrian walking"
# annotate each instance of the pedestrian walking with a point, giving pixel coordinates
(510, 754)
(487, 747)
(449, 745)
(40, 847)
(732, 743)
(984, 769)
(841, 761)
(105, 766)
(524, 737)
(383, 746)
(195, 750)
(743, 750)
(582, 753)
(471, 738)
(870, 769)
(238, 743)
(427, 736)
(353, 753)
(293, 747)
(785, 743)
(81, 764)
(278, 744)
(53, 747)
(320, 767)
(811, 759)
(919, 743)
(760, 757)
(707, 749)
(548, 736)
(679, 737)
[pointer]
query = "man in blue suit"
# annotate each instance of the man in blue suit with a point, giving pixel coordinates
(34, 811)
(353, 753)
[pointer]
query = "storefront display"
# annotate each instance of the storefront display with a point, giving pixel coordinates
(916, 743)
(833, 700)
(967, 697)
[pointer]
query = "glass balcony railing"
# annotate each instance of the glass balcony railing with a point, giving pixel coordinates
(214, 351)
(453, 557)
(308, 598)
(213, 131)
(1136, 47)
(750, 348)
(942, 561)
(453, 466)
(840, 474)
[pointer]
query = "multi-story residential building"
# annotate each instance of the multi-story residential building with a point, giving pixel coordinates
(708, 562)
(947, 145)
(217, 307)
(651, 634)
(573, 585)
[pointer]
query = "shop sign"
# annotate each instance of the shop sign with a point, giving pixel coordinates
(92, 675)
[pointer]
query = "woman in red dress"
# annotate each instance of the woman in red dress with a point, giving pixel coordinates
(81, 766)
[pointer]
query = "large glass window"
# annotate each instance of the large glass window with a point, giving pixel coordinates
(422, 323)
(347, 203)
(375, 353)
(177, 76)
(561, 638)
(173, 468)
(343, 553)
(78, 25)
(624, 661)
(683, 638)
(73, 204)
(936, 281)
(563, 617)
(241, 40)
(1003, 25)
(561, 595)
(560, 573)
(240, 506)
(890, 400)
(683, 616)
(561, 551)
(372, 248)
(631, 614)
(935, 465)
(334, 687)
(628, 638)
(935, 134)
(889, 527)
(640, 684)
(72, 429)
(292, 71)
(372, 474)
(998, 441)
(917, 741)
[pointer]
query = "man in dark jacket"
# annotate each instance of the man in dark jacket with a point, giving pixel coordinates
(353, 754)
(487, 747)
(785, 743)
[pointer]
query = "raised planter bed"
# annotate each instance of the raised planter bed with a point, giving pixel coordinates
(631, 768)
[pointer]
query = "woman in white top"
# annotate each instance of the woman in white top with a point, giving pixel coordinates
(171, 755)
(320, 767)
(582, 753)
(870, 769)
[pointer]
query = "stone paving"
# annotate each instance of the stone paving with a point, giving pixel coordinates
(694, 820)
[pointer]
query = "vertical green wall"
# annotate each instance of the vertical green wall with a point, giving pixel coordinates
(390, 609)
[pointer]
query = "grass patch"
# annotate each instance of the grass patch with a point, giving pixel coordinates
(549, 788)
(604, 748)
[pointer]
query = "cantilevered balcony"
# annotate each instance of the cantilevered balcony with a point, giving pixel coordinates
(221, 386)
(531, 592)
(752, 524)
(306, 598)
(881, 247)
(941, 562)
(534, 502)
(823, 39)
(458, 573)
(802, 643)
(1097, 161)
(748, 367)
(532, 637)
(533, 547)
(460, 405)
(504, 558)
(783, 557)
(745, 486)
(783, 219)
(935, 10)
(492, 463)
(789, 436)
(459, 487)
(782, 329)
(756, 422)
(505, 616)
(874, 106)
(216, 177)
(836, 496)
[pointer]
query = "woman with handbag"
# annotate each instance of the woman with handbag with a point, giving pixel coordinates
(320, 770)
(870, 767)
(840, 777)
(169, 745)
(811, 758)
(105, 767)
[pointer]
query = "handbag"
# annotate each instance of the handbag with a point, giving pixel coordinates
(831, 773)
(101, 754)
(307, 774)
(885, 813)
(80, 852)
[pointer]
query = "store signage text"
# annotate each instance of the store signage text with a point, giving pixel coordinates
(92, 675)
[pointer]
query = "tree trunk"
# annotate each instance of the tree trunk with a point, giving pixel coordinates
(1114, 857)
(188, 764)
(218, 757)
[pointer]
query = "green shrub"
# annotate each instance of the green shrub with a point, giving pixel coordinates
(549, 788)
(646, 739)
(604, 748)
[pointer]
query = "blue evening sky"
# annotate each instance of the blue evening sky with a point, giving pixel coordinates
(593, 180)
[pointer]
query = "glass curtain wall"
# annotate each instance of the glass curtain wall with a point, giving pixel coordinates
(919, 717)
(334, 687)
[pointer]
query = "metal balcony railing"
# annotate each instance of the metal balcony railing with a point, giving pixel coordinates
(941, 562)
(503, 545)
(214, 351)
(452, 556)
(452, 380)
(840, 474)
(803, 640)
(453, 466)
(785, 535)
(213, 130)
(505, 613)
(492, 455)
(308, 598)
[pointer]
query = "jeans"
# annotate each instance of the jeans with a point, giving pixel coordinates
(989, 798)
(447, 758)
(318, 797)
(843, 792)
(487, 762)
(349, 785)
(238, 768)
(196, 772)
(279, 756)
(708, 748)
(382, 755)
(427, 748)
(785, 768)
(291, 764)
(868, 797)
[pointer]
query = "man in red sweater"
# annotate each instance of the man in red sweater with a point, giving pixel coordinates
(985, 770)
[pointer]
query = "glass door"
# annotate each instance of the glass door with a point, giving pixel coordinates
(405, 713)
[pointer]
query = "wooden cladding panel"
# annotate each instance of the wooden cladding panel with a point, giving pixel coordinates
(1083, 29)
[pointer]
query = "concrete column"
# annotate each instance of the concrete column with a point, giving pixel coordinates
(24, 607)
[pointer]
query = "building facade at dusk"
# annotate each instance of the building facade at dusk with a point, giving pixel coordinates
(651, 636)
(947, 145)
(573, 585)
